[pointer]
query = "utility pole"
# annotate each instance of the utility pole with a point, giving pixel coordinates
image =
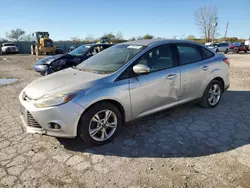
(226, 31)
(214, 27)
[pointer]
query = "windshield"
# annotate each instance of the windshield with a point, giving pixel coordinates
(9, 44)
(80, 50)
(111, 59)
(236, 44)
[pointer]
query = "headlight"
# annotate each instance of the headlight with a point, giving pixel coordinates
(54, 99)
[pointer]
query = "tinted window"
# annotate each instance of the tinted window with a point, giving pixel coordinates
(158, 58)
(188, 54)
(222, 44)
(206, 54)
(80, 50)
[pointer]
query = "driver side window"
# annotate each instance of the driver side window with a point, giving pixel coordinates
(158, 58)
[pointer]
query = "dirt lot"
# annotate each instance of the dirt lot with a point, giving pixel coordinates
(184, 147)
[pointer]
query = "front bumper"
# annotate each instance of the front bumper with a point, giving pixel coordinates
(40, 68)
(38, 120)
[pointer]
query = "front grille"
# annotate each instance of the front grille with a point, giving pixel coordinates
(31, 121)
(48, 43)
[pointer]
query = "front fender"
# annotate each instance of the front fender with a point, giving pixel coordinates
(117, 91)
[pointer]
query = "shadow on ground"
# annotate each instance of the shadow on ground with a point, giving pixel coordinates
(185, 131)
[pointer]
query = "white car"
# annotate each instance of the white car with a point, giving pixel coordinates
(219, 47)
(9, 48)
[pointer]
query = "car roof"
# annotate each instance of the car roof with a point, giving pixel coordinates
(147, 42)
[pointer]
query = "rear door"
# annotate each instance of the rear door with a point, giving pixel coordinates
(193, 68)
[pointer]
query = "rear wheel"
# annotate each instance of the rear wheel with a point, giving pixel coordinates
(38, 52)
(99, 124)
(217, 51)
(212, 94)
(226, 51)
(245, 51)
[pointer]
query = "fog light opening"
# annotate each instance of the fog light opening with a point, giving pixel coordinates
(54, 126)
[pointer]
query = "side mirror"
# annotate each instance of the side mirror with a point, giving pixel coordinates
(141, 69)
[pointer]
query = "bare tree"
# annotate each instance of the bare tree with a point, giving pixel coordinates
(119, 36)
(89, 38)
(15, 34)
(26, 38)
(206, 20)
(75, 39)
(190, 37)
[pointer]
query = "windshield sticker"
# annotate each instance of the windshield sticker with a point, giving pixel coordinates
(134, 46)
(87, 46)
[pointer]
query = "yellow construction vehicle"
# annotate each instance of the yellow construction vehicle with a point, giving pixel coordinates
(42, 44)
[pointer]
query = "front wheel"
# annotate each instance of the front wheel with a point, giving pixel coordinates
(245, 51)
(99, 124)
(226, 51)
(212, 94)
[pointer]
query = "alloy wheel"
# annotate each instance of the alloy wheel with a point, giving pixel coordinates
(214, 94)
(103, 125)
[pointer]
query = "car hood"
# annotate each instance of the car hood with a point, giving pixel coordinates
(63, 81)
(49, 59)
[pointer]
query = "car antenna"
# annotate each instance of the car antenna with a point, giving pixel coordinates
(182, 36)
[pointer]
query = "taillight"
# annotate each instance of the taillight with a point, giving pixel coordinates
(226, 60)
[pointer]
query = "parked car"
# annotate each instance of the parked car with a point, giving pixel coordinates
(125, 82)
(55, 63)
(9, 48)
(211, 45)
(236, 47)
(221, 47)
(59, 50)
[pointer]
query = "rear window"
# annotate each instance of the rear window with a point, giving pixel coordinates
(188, 54)
(205, 53)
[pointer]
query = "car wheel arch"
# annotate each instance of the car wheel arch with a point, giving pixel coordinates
(219, 79)
(112, 101)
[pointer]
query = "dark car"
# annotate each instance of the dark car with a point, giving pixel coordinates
(55, 63)
(237, 47)
(59, 51)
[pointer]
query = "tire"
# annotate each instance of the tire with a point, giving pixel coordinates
(217, 51)
(38, 52)
(226, 51)
(32, 51)
(205, 103)
(245, 51)
(87, 123)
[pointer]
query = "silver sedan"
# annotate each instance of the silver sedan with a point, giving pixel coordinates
(127, 81)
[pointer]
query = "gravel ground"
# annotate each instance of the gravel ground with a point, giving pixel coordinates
(184, 147)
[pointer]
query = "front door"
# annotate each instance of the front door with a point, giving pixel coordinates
(159, 89)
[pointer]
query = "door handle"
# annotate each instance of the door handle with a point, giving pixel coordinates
(171, 76)
(205, 67)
